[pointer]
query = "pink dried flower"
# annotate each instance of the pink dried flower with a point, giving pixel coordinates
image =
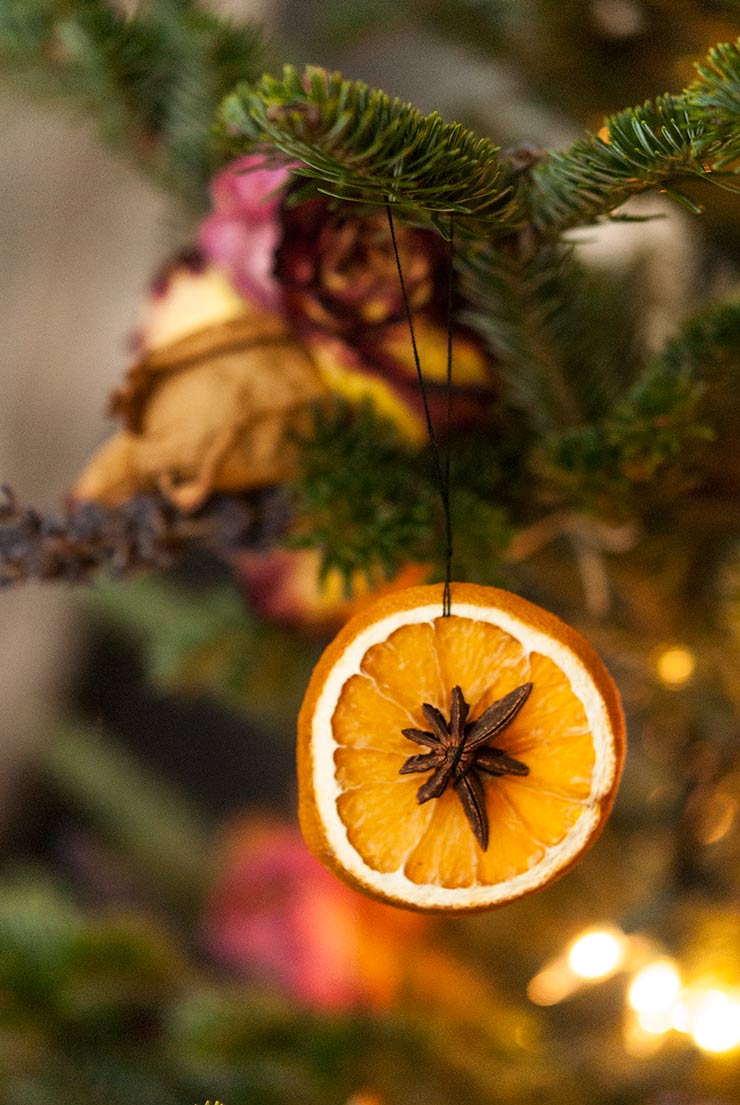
(278, 915)
(243, 232)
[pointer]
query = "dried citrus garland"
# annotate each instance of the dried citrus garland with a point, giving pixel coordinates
(521, 735)
(458, 747)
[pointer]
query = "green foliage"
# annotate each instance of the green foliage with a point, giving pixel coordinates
(715, 103)
(503, 287)
(655, 441)
(152, 81)
(362, 145)
(485, 485)
(370, 503)
(185, 632)
(571, 359)
(206, 641)
(141, 817)
(104, 1008)
(363, 498)
(695, 134)
(647, 147)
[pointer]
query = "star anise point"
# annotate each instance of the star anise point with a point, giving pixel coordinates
(458, 751)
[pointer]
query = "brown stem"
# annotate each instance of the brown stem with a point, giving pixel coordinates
(143, 533)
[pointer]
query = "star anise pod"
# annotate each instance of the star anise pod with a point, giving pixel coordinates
(459, 750)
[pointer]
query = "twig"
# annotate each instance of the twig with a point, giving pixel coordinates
(144, 533)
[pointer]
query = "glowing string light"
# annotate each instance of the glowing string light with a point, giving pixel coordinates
(711, 1017)
(653, 994)
(597, 954)
(675, 666)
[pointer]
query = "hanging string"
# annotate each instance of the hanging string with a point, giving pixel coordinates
(446, 598)
(442, 473)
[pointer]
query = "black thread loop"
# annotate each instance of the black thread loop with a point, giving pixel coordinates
(442, 473)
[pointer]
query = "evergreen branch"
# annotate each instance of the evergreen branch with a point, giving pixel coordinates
(505, 287)
(486, 484)
(362, 145)
(655, 442)
(362, 498)
(695, 134)
(371, 505)
(551, 326)
(641, 148)
(715, 99)
(152, 81)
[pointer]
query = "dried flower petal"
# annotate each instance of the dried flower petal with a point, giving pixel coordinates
(187, 295)
(213, 412)
(276, 914)
(242, 234)
(286, 586)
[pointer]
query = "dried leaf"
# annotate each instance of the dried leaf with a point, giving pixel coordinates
(212, 412)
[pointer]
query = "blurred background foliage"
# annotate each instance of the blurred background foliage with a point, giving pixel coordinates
(163, 934)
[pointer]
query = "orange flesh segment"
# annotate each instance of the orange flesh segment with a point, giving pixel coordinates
(433, 843)
(405, 669)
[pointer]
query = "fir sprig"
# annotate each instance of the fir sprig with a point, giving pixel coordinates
(363, 145)
(638, 149)
(151, 81)
(503, 286)
(715, 101)
(571, 358)
(667, 433)
(363, 498)
(694, 134)
(370, 503)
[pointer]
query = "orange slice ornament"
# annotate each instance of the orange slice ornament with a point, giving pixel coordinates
(456, 763)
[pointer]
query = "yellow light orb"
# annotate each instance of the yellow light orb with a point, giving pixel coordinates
(597, 954)
(655, 989)
(713, 1020)
(675, 666)
(554, 983)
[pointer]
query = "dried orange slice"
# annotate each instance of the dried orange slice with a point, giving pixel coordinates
(456, 763)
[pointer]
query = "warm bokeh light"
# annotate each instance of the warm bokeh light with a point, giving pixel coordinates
(639, 1042)
(654, 992)
(717, 817)
(675, 666)
(712, 1019)
(554, 983)
(597, 954)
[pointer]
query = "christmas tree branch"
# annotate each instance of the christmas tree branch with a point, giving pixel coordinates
(362, 145)
(152, 81)
(653, 444)
(562, 335)
(370, 504)
(363, 498)
(695, 134)
(638, 149)
(715, 100)
(504, 286)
